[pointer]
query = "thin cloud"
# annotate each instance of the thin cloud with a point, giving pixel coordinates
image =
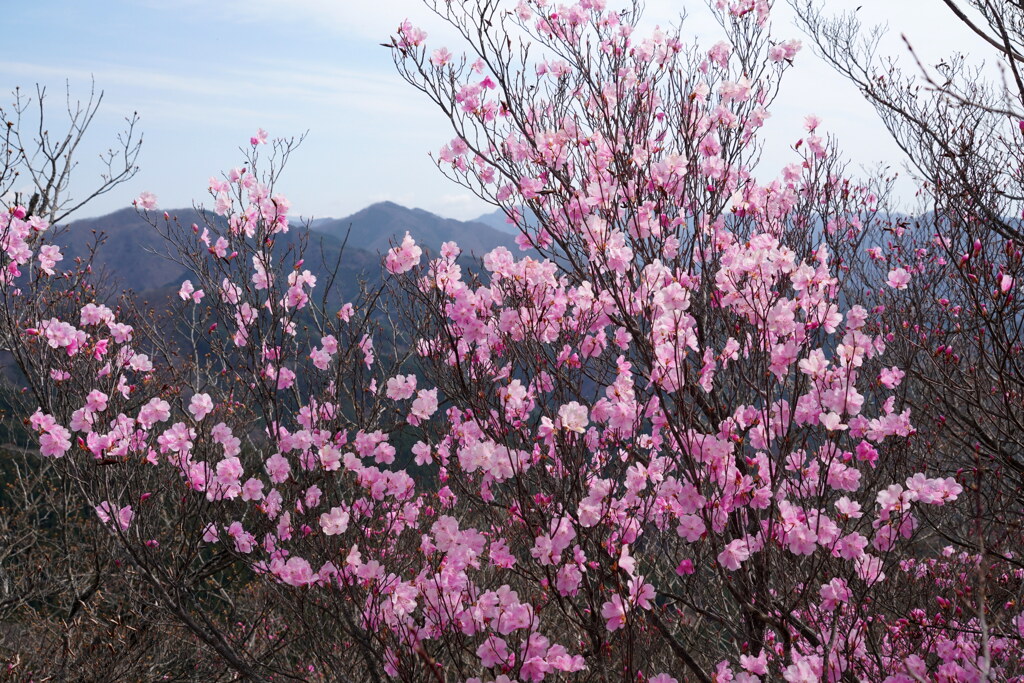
(294, 82)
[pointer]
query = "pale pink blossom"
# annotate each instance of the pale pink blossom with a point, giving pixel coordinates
(145, 201)
(898, 278)
(404, 257)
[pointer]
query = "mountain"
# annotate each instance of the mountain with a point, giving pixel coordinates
(499, 221)
(378, 226)
(137, 257)
(125, 246)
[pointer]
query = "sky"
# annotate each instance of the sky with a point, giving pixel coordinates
(203, 76)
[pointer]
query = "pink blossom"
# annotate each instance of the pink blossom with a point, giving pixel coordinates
(404, 257)
(734, 554)
(401, 387)
(200, 406)
(111, 514)
(409, 35)
(156, 410)
(493, 652)
(834, 593)
(334, 522)
(1005, 283)
(898, 278)
(49, 255)
(297, 572)
(440, 57)
(145, 201)
(96, 401)
(188, 291)
(278, 467)
(573, 417)
(614, 613)
(890, 377)
(424, 406)
(55, 442)
(784, 51)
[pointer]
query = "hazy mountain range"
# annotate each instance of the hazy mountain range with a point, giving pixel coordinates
(136, 257)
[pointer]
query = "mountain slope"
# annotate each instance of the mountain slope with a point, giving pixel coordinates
(377, 227)
(136, 257)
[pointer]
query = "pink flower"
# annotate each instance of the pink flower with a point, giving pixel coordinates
(801, 540)
(409, 35)
(157, 410)
(833, 593)
(756, 665)
(424, 406)
(641, 593)
(404, 257)
(200, 406)
(278, 467)
(146, 201)
(898, 278)
(573, 417)
(49, 255)
(244, 541)
(334, 522)
(784, 51)
(440, 57)
(297, 572)
(614, 613)
(188, 291)
(493, 652)
(734, 554)
(890, 377)
(401, 387)
(831, 421)
(55, 442)
(252, 489)
(1005, 283)
(96, 401)
(806, 670)
(285, 379)
(229, 472)
(109, 514)
(120, 332)
(94, 315)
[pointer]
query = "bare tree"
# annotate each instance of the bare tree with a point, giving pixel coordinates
(37, 161)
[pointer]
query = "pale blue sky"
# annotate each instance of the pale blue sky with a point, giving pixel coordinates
(205, 75)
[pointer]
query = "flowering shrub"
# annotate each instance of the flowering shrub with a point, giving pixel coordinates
(667, 442)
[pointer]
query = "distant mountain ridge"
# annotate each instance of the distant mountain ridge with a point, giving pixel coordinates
(499, 221)
(377, 227)
(135, 256)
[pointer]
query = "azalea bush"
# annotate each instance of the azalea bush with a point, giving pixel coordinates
(677, 437)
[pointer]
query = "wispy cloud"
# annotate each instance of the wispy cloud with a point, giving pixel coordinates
(256, 85)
